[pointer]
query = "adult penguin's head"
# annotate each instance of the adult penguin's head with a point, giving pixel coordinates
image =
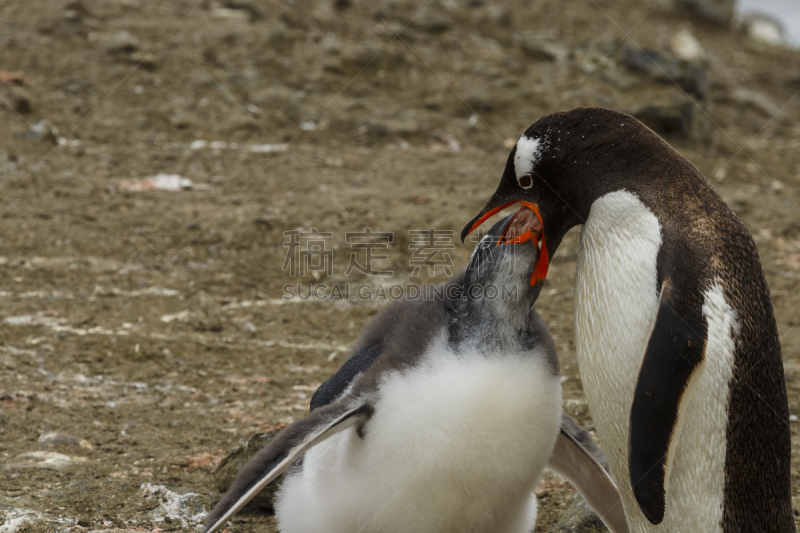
(561, 165)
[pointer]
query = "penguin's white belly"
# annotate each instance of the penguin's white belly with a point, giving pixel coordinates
(456, 444)
(615, 310)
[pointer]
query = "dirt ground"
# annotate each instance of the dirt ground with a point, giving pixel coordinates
(143, 334)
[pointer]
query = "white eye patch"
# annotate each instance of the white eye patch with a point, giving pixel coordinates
(528, 153)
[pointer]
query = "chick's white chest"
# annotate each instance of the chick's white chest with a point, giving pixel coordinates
(456, 444)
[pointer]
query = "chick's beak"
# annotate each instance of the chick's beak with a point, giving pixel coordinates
(524, 226)
(542, 261)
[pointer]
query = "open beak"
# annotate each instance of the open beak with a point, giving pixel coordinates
(524, 226)
(529, 229)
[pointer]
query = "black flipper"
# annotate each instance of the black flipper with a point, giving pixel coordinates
(270, 462)
(674, 358)
(335, 386)
(580, 460)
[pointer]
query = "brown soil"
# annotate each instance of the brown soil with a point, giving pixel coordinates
(150, 323)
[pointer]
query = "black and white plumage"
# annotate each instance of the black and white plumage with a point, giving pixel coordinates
(676, 337)
(443, 419)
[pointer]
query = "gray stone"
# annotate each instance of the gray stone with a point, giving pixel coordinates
(540, 47)
(717, 12)
(482, 102)
(233, 463)
(755, 99)
(676, 115)
(144, 61)
(177, 507)
(56, 438)
(179, 121)
(500, 15)
(73, 20)
(44, 461)
(374, 129)
(765, 29)
(78, 7)
(122, 43)
(686, 46)
(277, 38)
(251, 11)
(44, 129)
(276, 96)
(360, 55)
(270, 221)
(430, 21)
(691, 76)
(18, 99)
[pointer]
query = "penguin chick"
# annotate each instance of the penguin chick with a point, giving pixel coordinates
(442, 420)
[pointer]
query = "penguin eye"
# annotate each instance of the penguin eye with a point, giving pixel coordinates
(526, 181)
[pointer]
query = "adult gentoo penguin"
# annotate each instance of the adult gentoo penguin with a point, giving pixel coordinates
(676, 338)
(442, 420)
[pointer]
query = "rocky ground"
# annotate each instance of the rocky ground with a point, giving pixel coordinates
(143, 334)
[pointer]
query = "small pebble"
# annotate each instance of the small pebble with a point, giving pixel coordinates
(54, 438)
(122, 42)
